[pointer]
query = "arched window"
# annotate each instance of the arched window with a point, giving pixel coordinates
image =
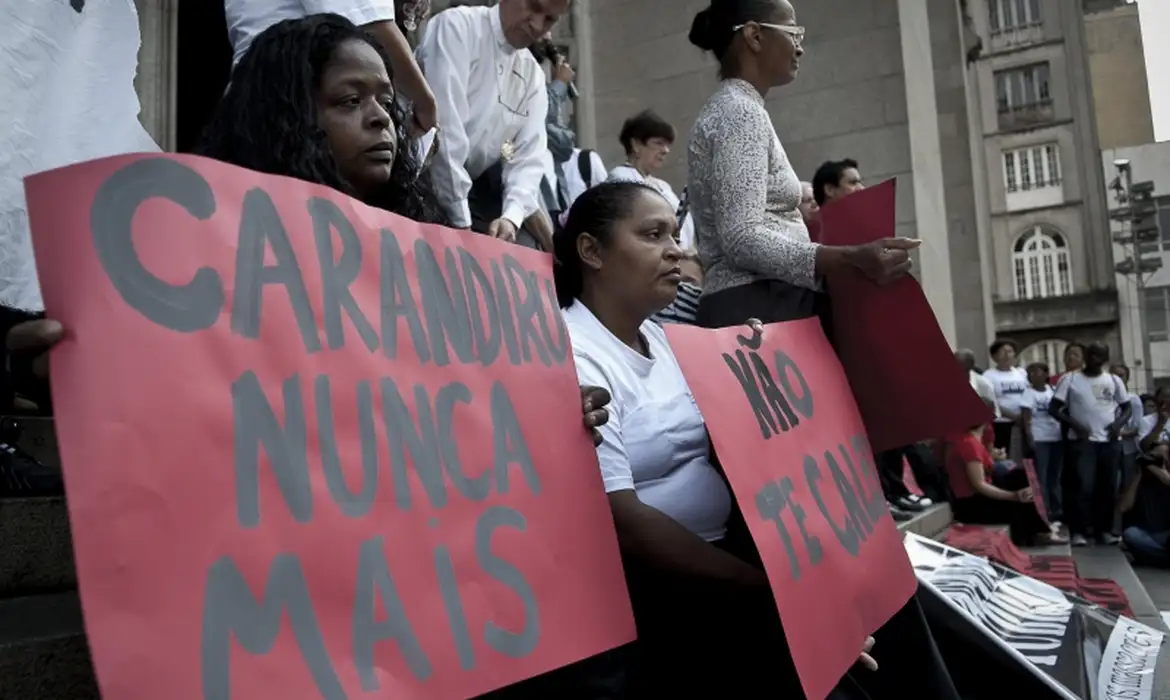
(1050, 352)
(1041, 262)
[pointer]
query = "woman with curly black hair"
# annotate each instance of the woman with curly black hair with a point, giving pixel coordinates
(313, 99)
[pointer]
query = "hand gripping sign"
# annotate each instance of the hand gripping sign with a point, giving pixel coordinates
(314, 450)
(788, 434)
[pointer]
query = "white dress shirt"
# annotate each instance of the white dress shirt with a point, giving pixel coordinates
(628, 173)
(248, 18)
(66, 96)
(489, 94)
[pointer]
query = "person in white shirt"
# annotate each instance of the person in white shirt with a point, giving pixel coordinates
(493, 103)
(1042, 431)
(647, 138)
(982, 387)
(1095, 405)
(1010, 382)
(66, 96)
(246, 19)
(1154, 428)
(700, 602)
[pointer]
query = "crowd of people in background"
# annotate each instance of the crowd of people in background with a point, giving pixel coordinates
(468, 130)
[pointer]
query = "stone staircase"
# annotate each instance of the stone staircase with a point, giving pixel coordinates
(43, 653)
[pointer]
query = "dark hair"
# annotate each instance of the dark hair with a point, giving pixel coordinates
(595, 212)
(267, 121)
(1000, 345)
(1040, 366)
(830, 173)
(1147, 397)
(1075, 345)
(713, 28)
(643, 126)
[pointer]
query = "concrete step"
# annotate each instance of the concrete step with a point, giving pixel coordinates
(36, 550)
(43, 652)
(931, 522)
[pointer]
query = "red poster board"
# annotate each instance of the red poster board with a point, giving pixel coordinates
(1037, 490)
(920, 392)
(909, 480)
(311, 449)
(789, 437)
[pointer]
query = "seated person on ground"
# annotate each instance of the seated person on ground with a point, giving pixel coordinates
(313, 99)
(701, 601)
(1145, 500)
(982, 499)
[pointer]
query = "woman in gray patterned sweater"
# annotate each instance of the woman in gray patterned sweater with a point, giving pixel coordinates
(745, 196)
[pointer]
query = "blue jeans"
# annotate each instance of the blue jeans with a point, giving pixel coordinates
(1097, 465)
(1151, 548)
(1049, 468)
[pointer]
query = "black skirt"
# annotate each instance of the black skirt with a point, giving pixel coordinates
(770, 301)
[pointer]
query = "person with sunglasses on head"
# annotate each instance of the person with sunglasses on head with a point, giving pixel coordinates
(493, 104)
(745, 195)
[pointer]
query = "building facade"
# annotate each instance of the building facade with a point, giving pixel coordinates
(1117, 67)
(980, 109)
(1052, 275)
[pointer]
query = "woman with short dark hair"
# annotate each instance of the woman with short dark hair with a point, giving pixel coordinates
(647, 139)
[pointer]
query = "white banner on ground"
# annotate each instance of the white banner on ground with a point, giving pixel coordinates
(1078, 649)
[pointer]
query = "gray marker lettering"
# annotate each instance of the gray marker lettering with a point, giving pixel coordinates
(336, 278)
(512, 644)
(374, 579)
(508, 441)
(398, 302)
(354, 504)
(230, 611)
(261, 229)
(475, 489)
(186, 308)
(255, 425)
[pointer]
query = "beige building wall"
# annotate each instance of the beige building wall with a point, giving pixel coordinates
(1117, 68)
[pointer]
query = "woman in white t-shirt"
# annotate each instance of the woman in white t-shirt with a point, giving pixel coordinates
(701, 599)
(1010, 383)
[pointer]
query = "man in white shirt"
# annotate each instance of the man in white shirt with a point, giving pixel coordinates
(248, 18)
(493, 103)
(1095, 405)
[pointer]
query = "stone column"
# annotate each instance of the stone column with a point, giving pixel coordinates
(158, 67)
(930, 207)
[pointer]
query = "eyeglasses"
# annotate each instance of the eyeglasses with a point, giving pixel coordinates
(794, 32)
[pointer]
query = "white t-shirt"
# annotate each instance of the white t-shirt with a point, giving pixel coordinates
(1045, 428)
(66, 96)
(1010, 385)
(248, 18)
(1092, 401)
(655, 441)
(984, 389)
